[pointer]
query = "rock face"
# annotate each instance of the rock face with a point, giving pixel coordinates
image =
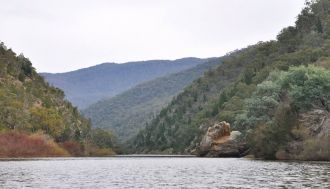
(311, 138)
(317, 121)
(219, 141)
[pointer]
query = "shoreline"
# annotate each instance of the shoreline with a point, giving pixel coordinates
(146, 156)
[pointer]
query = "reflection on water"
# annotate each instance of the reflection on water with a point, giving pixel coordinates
(152, 172)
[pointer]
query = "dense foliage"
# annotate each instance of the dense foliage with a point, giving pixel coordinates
(128, 112)
(87, 86)
(224, 93)
(272, 111)
(29, 105)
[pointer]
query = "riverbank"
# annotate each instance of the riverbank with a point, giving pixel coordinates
(25, 145)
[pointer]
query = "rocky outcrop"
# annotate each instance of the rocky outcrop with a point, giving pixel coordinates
(219, 141)
(317, 121)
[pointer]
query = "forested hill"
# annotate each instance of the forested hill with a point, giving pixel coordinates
(128, 112)
(35, 120)
(261, 91)
(89, 85)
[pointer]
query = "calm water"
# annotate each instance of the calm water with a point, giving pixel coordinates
(151, 172)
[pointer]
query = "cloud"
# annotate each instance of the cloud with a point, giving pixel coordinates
(64, 35)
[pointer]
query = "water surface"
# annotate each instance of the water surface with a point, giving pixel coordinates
(157, 172)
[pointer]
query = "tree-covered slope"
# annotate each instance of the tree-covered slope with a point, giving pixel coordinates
(86, 86)
(128, 112)
(177, 124)
(223, 94)
(30, 105)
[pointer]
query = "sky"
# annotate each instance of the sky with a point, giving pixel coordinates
(65, 35)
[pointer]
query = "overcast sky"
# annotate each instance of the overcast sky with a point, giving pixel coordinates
(64, 35)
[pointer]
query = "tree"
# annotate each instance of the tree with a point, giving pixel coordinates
(102, 138)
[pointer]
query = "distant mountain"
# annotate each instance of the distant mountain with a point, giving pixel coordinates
(89, 85)
(128, 112)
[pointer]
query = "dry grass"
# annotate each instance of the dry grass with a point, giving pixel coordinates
(73, 147)
(16, 144)
(317, 149)
(101, 152)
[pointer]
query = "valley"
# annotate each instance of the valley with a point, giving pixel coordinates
(273, 96)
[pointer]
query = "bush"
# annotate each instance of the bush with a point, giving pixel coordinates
(74, 148)
(316, 149)
(15, 144)
(310, 86)
(267, 139)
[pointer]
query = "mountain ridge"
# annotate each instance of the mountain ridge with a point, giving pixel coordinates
(88, 85)
(128, 112)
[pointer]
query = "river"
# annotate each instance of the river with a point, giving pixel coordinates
(161, 172)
